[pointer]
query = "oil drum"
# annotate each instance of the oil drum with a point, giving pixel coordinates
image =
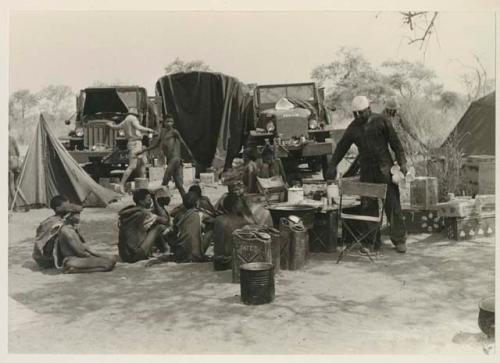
(257, 283)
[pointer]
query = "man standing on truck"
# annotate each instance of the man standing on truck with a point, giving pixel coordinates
(133, 133)
(170, 141)
(372, 134)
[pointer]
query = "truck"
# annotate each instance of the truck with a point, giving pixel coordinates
(98, 148)
(294, 119)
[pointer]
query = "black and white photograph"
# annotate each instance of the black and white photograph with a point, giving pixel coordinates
(276, 182)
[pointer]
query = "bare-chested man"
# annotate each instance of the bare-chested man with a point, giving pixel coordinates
(133, 132)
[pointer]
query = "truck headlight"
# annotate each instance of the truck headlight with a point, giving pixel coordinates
(270, 126)
(121, 133)
(313, 124)
(79, 132)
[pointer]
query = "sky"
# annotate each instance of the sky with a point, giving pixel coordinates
(80, 48)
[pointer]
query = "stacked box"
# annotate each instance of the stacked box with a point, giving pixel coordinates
(422, 221)
(485, 203)
(156, 173)
(464, 228)
(478, 172)
(424, 193)
(459, 207)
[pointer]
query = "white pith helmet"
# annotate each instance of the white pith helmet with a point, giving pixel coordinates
(360, 103)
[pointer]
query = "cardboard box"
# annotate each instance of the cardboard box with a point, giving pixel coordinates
(424, 193)
(207, 178)
(465, 228)
(155, 173)
(422, 221)
(459, 207)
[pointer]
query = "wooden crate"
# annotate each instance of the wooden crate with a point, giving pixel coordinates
(424, 193)
(464, 228)
(478, 174)
(422, 221)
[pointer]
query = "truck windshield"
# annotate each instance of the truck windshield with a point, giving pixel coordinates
(103, 101)
(272, 95)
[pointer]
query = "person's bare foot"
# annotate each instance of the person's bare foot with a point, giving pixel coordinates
(122, 189)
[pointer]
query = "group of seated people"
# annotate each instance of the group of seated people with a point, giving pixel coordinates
(147, 231)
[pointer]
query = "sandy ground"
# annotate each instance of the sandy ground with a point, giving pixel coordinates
(423, 302)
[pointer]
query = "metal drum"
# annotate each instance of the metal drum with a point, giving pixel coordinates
(250, 245)
(257, 283)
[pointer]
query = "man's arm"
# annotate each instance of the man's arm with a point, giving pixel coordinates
(154, 145)
(395, 145)
(71, 240)
(340, 150)
(113, 126)
(138, 126)
(177, 134)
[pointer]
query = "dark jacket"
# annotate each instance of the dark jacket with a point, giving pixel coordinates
(372, 137)
(132, 230)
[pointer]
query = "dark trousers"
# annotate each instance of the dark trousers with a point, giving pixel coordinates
(174, 170)
(369, 206)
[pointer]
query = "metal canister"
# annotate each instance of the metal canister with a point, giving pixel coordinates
(299, 247)
(257, 283)
(294, 241)
(250, 245)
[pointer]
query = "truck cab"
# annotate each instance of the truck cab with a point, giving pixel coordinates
(294, 119)
(91, 142)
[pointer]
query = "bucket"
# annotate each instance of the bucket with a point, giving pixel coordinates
(250, 245)
(295, 195)
(257, 283)
(141, 183)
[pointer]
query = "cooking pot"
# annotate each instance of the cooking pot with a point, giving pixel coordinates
(304, 211)
(486, 318)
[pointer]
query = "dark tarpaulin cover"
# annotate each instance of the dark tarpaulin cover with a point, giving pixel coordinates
(211, 112)
(476, 128)
(49, 170)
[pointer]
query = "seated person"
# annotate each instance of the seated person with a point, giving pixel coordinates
(140, 230)
(251, 170)
(204, 203)
(72, 255)
(49, 229)
(270, 166)
(224, 227)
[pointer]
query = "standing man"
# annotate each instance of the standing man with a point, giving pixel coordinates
(133, 132)
(372, 134)
(409, 140)
(170, 141)
(14, 167)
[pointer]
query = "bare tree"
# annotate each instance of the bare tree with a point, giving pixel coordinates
(23, 100)
(476, 80)
(422, 24)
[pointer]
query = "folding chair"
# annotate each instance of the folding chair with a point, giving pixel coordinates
(352, 186)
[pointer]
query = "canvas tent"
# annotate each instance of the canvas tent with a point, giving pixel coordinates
(49, 170)
(476, 128)
(212, 112)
